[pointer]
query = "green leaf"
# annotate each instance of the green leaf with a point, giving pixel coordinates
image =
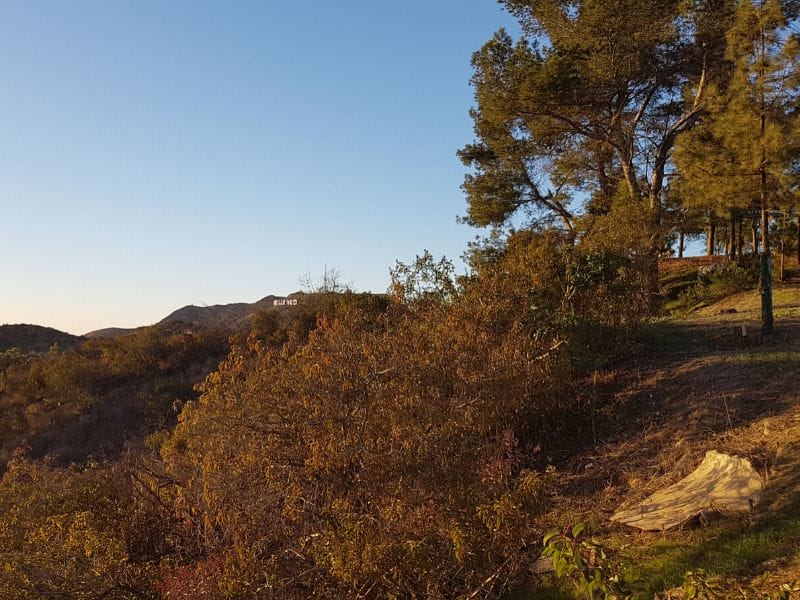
(578, 529)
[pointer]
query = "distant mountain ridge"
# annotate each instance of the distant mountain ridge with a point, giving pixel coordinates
(233, 316)
(34, 338)
(109, 332)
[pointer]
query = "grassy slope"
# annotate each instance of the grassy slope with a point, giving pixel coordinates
(696, 385)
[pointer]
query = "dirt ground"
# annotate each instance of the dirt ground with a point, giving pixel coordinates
(689, 386)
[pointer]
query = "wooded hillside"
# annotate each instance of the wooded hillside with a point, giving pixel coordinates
(434, 441)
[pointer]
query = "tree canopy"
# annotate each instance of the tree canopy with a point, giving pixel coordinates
(744, 150)
(588, 102)
(720, 161)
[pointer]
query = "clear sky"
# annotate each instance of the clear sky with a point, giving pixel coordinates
(155, 154)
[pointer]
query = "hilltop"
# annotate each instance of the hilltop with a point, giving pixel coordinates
(233, 317)
(34, 338)
(109, 332)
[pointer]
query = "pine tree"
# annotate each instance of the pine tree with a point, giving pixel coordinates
(588, 103)
(742, 153)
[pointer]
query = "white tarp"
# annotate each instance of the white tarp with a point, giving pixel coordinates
(721, 482)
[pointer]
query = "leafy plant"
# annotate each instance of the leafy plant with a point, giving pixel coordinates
(597, 576)
(715, 285)
(698, 585)
(586, 563)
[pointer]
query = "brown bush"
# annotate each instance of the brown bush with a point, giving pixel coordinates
(388, 455)
(380, 451)
(66, 533)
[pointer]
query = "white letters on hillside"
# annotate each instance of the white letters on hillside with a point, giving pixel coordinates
(285, 302)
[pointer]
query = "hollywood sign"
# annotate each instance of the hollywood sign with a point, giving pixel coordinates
(284, 302)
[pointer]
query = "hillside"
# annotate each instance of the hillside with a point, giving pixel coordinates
(94, 397)
(108, 332)
(34, 338)
(114, 386)
(125, 416)
(694, 385)
(233, 317)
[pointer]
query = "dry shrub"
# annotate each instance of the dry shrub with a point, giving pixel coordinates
(197, 582)
(389, 456)
(382, 451)
(69, 533)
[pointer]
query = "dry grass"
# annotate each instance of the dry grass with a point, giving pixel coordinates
(669, 267)
(785, 298)
(696, 385)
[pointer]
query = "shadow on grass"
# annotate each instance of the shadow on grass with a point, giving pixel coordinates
(646, 429)
(675, 340)
(686, 384)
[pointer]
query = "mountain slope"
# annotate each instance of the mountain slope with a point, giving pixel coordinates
(34, 338)
(108, 332)
(233, 316)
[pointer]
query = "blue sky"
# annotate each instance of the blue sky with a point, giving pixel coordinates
(157, 154)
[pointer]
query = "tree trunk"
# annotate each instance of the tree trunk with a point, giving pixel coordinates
(656, 246)
(739, 238)
(629, 173)
(765, 279)
(766, 260)
(765, 283)
(732, 252)
(783, 247)
(798, 240)
(681, 236)
(726, 235)
(755, 238)
(710, 235)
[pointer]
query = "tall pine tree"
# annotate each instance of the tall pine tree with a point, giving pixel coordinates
(588, 103)
(743, 152)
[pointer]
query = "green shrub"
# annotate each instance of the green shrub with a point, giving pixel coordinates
(715, 285)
